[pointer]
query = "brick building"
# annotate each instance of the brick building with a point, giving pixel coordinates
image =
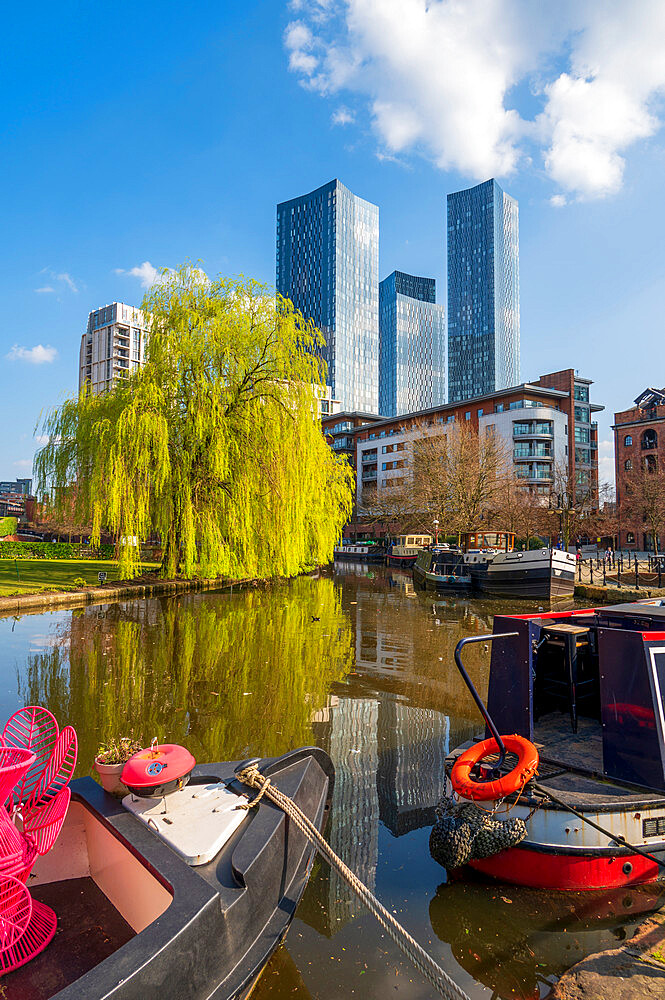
(547, 425)
(639, 437)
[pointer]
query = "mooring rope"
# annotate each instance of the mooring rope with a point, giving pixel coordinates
(416, 954)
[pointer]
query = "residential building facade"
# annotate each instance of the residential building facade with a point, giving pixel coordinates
(412, 345)
(582, 430)
(328, 265)
(483, 292)
(639, 440)
(22, 486)
(113, 345)
(537, 422)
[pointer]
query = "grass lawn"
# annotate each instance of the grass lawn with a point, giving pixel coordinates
(54, 574)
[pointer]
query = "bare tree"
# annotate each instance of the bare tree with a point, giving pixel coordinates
(644, 499)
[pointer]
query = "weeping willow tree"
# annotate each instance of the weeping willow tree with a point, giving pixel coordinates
(214, 444)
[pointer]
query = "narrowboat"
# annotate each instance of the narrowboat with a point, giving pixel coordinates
(499, 571)
(406, 549)
(576, 787)
(173, 894)
(441, 568)
(369, 552)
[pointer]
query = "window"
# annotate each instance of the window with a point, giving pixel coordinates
(498, 408)
(627, 441)
(467, 415)
(582, 414)
(451, 419)
(649, 439)
(628, 465)
(582, 393)
(630, 537)
(480, 413)
(651, 463)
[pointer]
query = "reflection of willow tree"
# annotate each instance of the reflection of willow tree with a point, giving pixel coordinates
(228, 678)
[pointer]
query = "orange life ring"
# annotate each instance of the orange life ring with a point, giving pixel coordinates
(524, 770)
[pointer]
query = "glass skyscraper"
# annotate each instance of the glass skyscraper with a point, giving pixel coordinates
(328, 265)
(483, 291)
(412, 345)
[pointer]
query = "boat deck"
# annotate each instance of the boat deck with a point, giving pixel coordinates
(89, 930)
(571, 765)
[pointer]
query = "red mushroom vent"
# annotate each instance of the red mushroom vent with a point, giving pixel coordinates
(160, 769)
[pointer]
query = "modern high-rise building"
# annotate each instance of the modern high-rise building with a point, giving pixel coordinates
(412, 345)
(328, 265)
(483, 292)
(112, 346)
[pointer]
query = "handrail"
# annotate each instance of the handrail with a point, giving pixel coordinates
(474, 694)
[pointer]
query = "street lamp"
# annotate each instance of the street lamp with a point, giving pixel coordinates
(436, 532)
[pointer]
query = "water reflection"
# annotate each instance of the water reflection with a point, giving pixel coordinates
(517, 942)
(361, 663)
(227, 678)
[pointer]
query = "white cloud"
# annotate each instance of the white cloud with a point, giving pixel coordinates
(606, 461)
(558, 200)
(342, 116)
(45, 290)
(38, 355)
(67, 280)
(145, 272)
(438, 77)
(23, 463)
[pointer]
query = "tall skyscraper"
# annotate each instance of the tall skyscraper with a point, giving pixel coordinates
(112, 346)
(483, 291)
(412, 345)
(328, 265)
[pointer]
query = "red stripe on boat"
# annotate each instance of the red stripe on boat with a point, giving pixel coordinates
(538, 870)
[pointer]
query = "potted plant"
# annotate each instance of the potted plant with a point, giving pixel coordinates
(110, 761)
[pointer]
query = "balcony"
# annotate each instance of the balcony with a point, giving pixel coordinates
(369, 456)
(368, 475)
(526, 455)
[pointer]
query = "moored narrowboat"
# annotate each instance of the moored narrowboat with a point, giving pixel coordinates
(369, 552)
(406, 549)
(498, 570)
(576, 792)
(441, 568)
(173, 894)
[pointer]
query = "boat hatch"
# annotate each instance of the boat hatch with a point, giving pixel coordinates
(589, 685)
(196, 821)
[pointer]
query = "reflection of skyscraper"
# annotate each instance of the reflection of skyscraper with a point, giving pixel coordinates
(347, 728)
(328, 265)
(483, 291)
(413, 744)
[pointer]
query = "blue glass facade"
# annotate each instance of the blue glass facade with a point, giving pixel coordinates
(328, 265)
(412, 345)
(483, 291)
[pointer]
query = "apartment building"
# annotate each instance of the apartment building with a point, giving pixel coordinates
(113, 345)
(537, 421)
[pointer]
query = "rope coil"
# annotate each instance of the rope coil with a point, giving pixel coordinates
(416, 954)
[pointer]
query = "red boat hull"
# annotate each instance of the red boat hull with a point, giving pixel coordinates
(541, 870)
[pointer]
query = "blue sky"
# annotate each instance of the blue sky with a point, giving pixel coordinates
(162, 132)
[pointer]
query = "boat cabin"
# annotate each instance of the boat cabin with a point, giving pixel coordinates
(488, 541)
(413, 540)
(586, 686)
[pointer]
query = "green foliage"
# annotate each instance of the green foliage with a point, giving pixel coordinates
(8, 526)
(215, 443)
(228, 679)
(117, 750)
(37, 550)
(79, 582)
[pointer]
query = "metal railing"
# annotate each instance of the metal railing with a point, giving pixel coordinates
(619, 570)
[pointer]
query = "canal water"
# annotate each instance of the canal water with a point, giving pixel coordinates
(360, 663)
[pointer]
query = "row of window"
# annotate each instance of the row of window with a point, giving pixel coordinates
(650, 464)
(648, 440)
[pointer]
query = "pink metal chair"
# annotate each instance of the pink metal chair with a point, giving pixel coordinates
(26, 926)
(36, 729)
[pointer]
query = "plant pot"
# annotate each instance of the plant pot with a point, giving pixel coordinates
(109, 775)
